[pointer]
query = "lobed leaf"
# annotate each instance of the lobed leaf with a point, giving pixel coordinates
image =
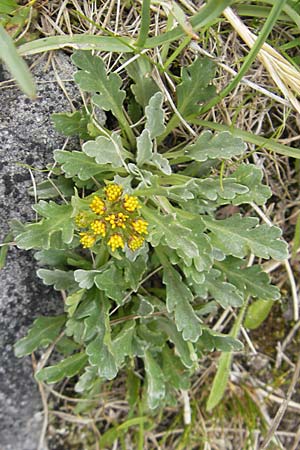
(195, 87)
(179, 298)
(93, 78)
(155, 381)
(38, 235)
(107, 150)
(66, 368)
(252, 280)
(155, 116)
(237, 236)
(60, 279)
(221, 145)
(42, 333)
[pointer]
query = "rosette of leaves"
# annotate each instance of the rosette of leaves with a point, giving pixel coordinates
(150, 305)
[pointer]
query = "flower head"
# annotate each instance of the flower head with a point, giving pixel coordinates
(98, 227)
(140, 226)
(113, 217)
(113, 192)
(87, 240)
(131, 203)
(135, 242)
(116, 241)
(97, 205)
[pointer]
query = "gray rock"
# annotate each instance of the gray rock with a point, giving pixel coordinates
(27, 136)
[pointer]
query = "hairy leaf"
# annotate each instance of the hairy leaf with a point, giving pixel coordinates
(155, 116)
(66, 368)
(99, 349)
(252, 280)
(107, 151)
(179, 297)
(155, 381)
(195, 87)
(122, 343)
(144, 87)
(169, 231)
(42, 333)
(112, 283)
(144, 148)
(77, 163)
(251, 176)
(60, 279)
(72, 124)
(93, 78)
(237, 236)
(211, 340)
(225, 294)
(38, 235)
(215, 146)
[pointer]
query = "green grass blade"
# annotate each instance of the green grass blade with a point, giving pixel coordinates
(207, 14)
(267, 143)
(265, 31)
(145, 24)
(77, 41)
(17, 67)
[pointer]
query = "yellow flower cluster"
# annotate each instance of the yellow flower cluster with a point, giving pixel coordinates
(87, 240)
(113, 192)
(120, 222)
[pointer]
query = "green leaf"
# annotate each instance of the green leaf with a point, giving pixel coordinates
(52, 189)
(86, 380)
(257, 312)
(161, 163)
(251, 176)
(215, 146)
(8, 6)
(16, 65)
(155, 116)
(173, 370)
(57, 219)
(182, 347)
(144, 148)
(225, 294)
(179, 298)
(212, 189)
(72, 124)
(86, 278)
(144, 87)
(112, 283)
(211, 340)
(122, 343)
(220, 381)
(42, 333)
(155, 381)
(78, 163)
(195, 87)
(107, 151)
(4, 249)
(60, 279)
(169, 231)
(93, 78)
(237, 236)
(133, 271)
(73, 300)
(252, 280)
(66, 368)
(102, 357)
